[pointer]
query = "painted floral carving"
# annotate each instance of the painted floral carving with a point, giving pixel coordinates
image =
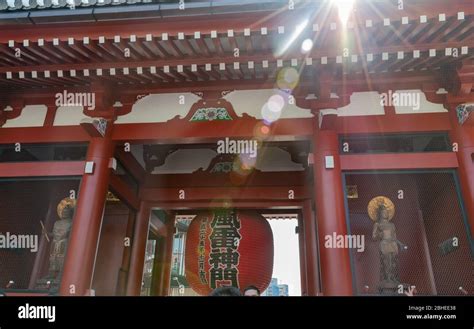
(463, 112)
(211, 114)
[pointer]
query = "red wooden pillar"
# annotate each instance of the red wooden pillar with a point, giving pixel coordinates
(335, 265)
(163, 258)
(167, 256)
(137, 261)
(311, 251)
(302, 249)
(84, 237)
(125, 268)
(159, 266)
(463, 135)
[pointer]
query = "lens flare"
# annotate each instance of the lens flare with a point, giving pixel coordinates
(247, 162)
(288, 78)
(276, 103)
(295, 35)
(344, 8)
(307, 45)
(261, 131)
(268, 115)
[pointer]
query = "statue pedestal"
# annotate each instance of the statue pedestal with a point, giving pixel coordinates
(51, 285)
(388, 288)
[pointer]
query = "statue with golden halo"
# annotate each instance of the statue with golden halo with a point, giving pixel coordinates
(58, 240)
(60, 235)
(381, 210)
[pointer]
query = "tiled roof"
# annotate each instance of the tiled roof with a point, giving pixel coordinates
(60, 11)
(17, 5)
(49, 4)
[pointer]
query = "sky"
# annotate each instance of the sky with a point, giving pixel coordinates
(286, 260)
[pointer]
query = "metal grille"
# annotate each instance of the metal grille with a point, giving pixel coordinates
(428, 216)
(23, 204)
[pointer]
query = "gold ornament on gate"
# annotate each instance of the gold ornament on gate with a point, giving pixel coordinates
(375, 204)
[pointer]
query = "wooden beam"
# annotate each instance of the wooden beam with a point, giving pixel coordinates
(26, 293)
(192, 205)
(399, 123)
(131, 164)
(124, 192)
(205, 179)
(43, 135)
(224, 194)
(42, 169)
(181, 132)
(399, 161)
(229, 58)
(353, 82)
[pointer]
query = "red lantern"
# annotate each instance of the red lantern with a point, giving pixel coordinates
(228, 248)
